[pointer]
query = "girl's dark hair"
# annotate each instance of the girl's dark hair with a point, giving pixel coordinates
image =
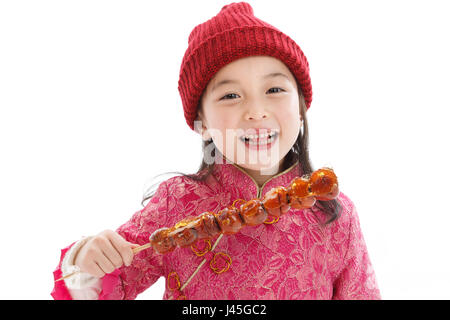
(299, 152)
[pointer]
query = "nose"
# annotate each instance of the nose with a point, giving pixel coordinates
(257, 116)
(256, 113)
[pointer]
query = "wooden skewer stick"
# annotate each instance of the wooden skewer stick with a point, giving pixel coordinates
(140, 248)
(199, 266)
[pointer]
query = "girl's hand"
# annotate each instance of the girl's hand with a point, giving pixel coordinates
(104, 253)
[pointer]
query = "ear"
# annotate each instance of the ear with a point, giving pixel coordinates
(200, 126)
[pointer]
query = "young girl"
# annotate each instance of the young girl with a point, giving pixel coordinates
(240, 77)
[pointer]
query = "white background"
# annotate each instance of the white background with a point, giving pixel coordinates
(90, 112)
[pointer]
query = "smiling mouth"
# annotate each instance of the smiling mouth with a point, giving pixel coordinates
(259, 140)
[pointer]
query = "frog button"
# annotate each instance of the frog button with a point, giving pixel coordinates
(271, 219)
(174, 284)
(173, 281)
(220, 262)
(201, 247)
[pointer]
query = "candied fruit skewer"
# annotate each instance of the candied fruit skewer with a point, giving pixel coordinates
(302, 193)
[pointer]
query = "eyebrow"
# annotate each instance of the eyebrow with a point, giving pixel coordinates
(270, 75)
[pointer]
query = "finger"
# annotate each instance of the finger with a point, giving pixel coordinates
(124, 248)
(103, 246)
(104, 263)
(94, 269)
(111, 253)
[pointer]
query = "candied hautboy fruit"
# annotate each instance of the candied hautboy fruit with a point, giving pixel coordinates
(183, 235)
(324, 184)
(330, 195)
(299, 187)
(275, 198)
(161, 241)
(302, 203)
(276, 201)
(207, 226)
(253, 213)
(229, 220)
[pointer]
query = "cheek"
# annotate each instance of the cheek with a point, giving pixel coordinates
(220, 117)
(288, 108)
(289, 116)
(222, 127)
(223, 119)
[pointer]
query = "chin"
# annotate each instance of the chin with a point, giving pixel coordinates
(271, 167)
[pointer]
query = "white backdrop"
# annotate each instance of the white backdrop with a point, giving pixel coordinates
(90, 112)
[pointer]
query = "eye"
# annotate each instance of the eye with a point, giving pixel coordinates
(276, 88)
(227, 95)
(230, 94)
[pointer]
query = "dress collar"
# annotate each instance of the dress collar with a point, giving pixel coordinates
(231, 176)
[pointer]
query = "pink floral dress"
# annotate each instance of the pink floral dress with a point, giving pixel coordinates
(292, 258)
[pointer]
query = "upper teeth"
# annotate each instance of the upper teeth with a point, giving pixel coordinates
(259, 136)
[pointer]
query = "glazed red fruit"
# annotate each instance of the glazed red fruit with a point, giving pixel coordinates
(330, 195)
(208, 226)
(183, 236)
(302, 203)
(161, 242)
(276, 201)
(322, 182)
(299, 187)
(203, 225)
(253, 213)
(278, 212)
(275, 198)
(229, 220)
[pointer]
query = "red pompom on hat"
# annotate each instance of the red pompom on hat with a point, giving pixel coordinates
(232, 34)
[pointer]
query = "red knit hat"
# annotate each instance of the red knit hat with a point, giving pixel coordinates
(232, 34)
